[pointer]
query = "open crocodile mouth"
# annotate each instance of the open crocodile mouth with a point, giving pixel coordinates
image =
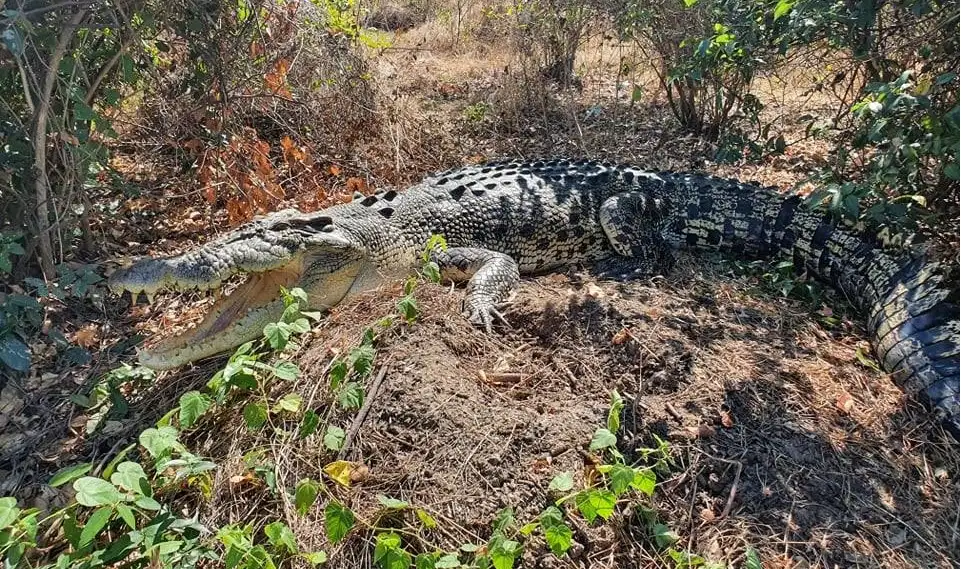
(245, 303)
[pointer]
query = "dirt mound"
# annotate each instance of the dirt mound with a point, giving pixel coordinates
(781, 440)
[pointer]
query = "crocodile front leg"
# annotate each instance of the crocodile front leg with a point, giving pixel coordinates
(490, 277)
(633, 222)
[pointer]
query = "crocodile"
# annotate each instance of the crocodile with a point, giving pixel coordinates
(504, 219)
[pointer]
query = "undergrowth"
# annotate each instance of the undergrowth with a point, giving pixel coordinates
(134, 510)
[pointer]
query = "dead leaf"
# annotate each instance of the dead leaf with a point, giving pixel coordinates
(707, 514)
(334, 169)
(357, 185)
(360, 473)
(340, 472)
(727, 420)
(276, 79)
(845, 403)
(88, 336)
(622, 336)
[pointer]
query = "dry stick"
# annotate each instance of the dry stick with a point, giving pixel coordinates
(737, 479)
(362, 414)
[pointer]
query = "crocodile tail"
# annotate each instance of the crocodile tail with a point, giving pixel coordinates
(912, 314)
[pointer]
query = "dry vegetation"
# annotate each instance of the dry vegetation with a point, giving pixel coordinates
(783, 439)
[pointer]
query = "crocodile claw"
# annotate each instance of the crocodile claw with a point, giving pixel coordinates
(485, 316)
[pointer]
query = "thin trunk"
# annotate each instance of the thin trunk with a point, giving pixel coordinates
(41, 182)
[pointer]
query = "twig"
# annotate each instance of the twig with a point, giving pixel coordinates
(673, 412)
(362, 414)
(737, 480)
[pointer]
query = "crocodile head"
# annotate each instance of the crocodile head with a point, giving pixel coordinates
(286, 249)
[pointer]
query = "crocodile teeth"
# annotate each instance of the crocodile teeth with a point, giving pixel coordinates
(150, 297)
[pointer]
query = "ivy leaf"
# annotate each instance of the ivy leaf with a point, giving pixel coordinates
(305, 495)
(129, 476)
(603, 438)
(286, 370)
(94, 492)
(334, 438)
(392, 503)
(69, 474)
(563, 482)
(193, 404)
(255, 415)
(159, 441)
(316, 557)
(338, 520)
(14, 353)
(299, 326)
(595, 503)
(308, 425)
(621, 478)
(559, 538)
(644, 481)
(281, 537)
(449, 561)
(557, 533)
(9, 512)
(663, 535)
(290, 403)
(277, 335)
(504, 552)
(388, 552)
(92, 528)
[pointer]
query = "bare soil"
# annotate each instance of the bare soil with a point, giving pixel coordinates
(748, 389)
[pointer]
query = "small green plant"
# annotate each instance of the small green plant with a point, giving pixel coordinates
(476, 112)
(10, 245)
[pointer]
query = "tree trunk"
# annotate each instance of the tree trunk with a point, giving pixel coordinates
(41, 116)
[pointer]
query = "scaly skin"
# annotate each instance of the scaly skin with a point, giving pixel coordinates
(505, 219)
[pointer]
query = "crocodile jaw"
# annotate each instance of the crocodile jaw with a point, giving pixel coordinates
(241, 316)
(234, 319)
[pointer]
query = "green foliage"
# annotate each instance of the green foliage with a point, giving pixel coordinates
(9, 246)
(338, 521)
(294, 321)
(342, 18)
(389, 553)
(306, 495)
(910, 139)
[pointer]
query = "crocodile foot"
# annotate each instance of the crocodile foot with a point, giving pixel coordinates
(484, 314)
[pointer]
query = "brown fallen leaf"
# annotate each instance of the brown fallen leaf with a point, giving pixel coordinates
(707, 514)
(845, 403)
(622, 336)
(727, 420)
(360, 473)
(88, 336)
